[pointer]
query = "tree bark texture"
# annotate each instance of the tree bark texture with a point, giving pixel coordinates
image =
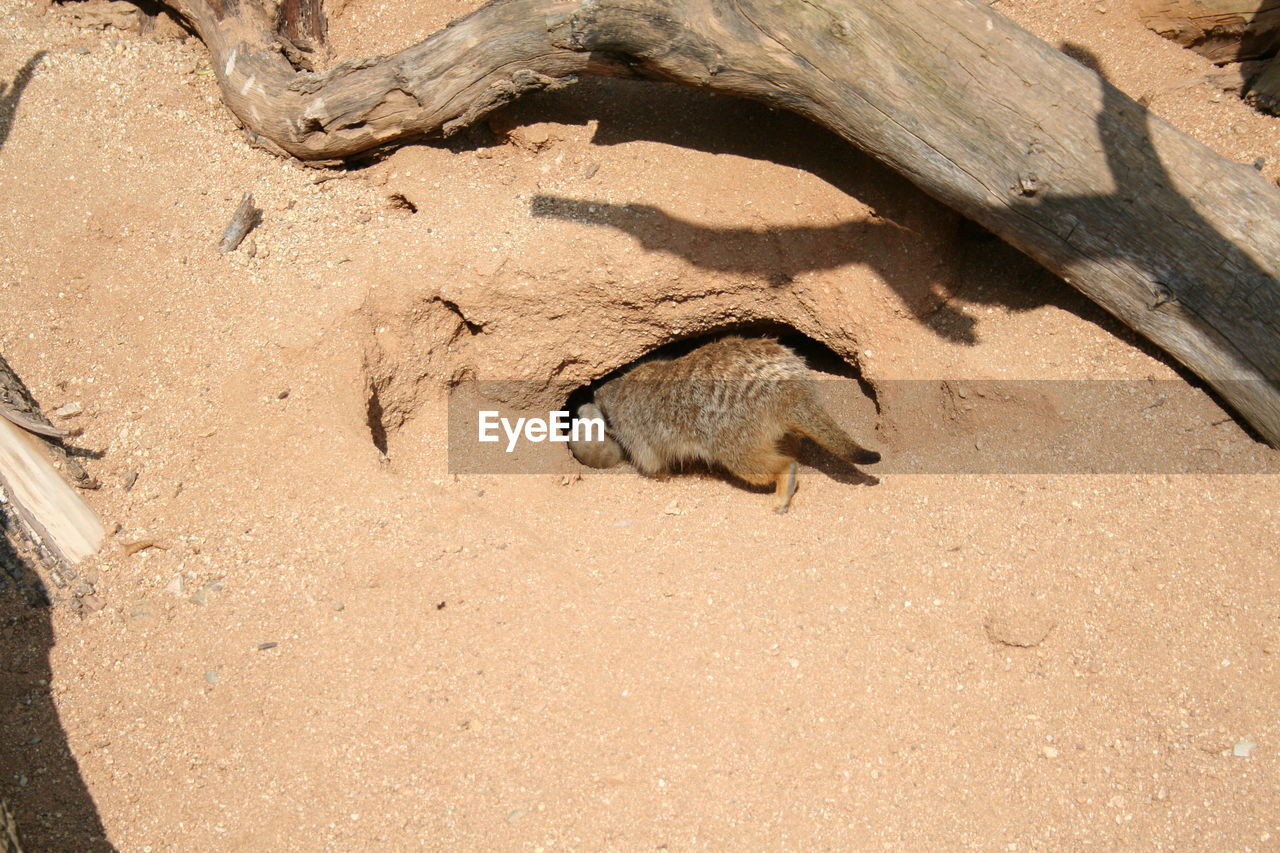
(1178, 242)
(1226, 31)
(1222, 30)
(53, 516)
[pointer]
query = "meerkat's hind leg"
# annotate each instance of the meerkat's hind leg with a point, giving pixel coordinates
(786, 487)
(768, 467)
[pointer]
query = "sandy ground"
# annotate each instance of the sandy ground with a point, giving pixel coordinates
(540, 662)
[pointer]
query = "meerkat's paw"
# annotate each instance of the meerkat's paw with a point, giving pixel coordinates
(786, 488)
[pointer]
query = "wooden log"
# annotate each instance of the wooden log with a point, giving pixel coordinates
(1222, 30)
(302, 30)
(1225, 31)
(1176, 241)
(19, 408)
(1263, 91)
(46, 508)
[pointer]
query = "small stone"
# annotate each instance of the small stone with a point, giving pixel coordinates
(129, 480)
(1023, 626)
(1050, 751)
(176, 586)
(92, 603)
(673, 508)
(250, 247)
(82, 588)
(70, 410)
(102, 14)
(1243, 748)
(282, 394)
(262, 647)
(531, 137)
(339, 606)
(211, 676)
(201, 596)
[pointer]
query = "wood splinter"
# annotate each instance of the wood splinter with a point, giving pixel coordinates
(131, 548)
(245, 219)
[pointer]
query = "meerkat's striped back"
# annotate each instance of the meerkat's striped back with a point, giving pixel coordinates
(729, 403)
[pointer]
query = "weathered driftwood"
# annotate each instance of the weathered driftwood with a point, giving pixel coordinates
(47, 506)
(47, 509)
(1225, 31)
(19, 408)
(1176, 241)
(245, 218)
(1263, 91)
(1222, 30)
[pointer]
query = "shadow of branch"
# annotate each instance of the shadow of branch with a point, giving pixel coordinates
(11, 94)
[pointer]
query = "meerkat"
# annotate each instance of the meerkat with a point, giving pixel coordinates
(594, 453)
(737, 403)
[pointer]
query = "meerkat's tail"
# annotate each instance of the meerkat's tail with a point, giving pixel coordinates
(811, 421)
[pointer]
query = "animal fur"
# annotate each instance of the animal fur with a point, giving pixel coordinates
(737, 403)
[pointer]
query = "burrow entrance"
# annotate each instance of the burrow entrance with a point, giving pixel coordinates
(429, 353)
(826, 362)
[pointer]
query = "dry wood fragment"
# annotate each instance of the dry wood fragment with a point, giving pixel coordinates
(53, 516)
(131, 548)
(46, 505)
(244, 220)
(1222, 30)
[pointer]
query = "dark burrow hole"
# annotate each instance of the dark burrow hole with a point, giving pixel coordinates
(817, 355)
